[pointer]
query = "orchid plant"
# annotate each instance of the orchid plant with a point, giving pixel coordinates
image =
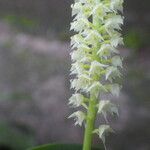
(96, 63)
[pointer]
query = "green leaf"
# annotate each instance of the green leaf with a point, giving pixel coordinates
(61, 147)
(15, 137)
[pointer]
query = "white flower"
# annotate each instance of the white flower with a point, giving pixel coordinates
(116, 40)
(112, 72)
(76, 100)
(80, 24)
(100, 10)
(96, 67)
(102, 131)
(114, 89)
(114, 22)
(105, 106)
(95, 89)
(116, 5)
(116, 61)
(79, 117)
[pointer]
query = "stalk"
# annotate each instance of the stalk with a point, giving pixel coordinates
(92, 111)
(90, 123)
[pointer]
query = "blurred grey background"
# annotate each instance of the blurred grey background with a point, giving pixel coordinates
(34, 76)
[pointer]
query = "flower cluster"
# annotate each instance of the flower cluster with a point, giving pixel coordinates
(96, 60)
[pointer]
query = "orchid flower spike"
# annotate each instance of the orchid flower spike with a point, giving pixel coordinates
(96, 62)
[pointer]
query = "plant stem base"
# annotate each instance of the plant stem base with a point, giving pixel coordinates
(91, 116)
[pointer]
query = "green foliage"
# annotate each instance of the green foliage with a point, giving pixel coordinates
(136, 39)
(21, 22)
(133, 39)
(14, 138)
(61, 147)
(138, 81)
(16, 95)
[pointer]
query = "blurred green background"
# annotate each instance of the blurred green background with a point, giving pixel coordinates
(34, 76)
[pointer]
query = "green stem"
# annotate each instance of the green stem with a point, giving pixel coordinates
(92, 110)
(90, 122)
